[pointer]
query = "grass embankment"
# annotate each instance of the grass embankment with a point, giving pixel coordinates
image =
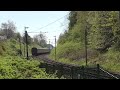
(73, 53)
(12, 66)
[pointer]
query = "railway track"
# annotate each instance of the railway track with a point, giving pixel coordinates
(45, 58)
(73, 71)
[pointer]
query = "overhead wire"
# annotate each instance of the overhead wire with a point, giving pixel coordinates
(50, 23)
(53, 22)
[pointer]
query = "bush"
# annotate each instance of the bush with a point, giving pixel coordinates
(13, 41)
(72, 51)
(14, 67)
(2, 47)
(1, 51)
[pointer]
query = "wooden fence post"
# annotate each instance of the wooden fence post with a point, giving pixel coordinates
(72, 72)
(79, 76)
(83, 75)
(61, 72)
(47, 68)
(98, 71)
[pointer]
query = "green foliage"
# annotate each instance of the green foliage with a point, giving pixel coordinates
(102, 29)
(8, 29)
(11, 47)
(29, 39)
(65, 50)
(77, 31)
(1, 51)
(72, 51)
(2, 48)
(64, 37)
(40, 39)
(103, 35)
(72, 18)
(14, 67)
(109, 60)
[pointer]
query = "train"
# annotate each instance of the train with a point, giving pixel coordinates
(36, 51)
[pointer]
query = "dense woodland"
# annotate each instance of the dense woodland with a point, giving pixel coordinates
(103, 39)
(102, 29)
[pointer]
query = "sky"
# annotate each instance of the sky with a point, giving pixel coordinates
(37, 21)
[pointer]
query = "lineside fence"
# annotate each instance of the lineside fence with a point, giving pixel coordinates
(77, 72)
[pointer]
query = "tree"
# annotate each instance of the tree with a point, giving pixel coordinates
(0, 31)
(8, 29)
(76, 29)
(116, 29)
(35, 39)
(18, 36)
(29, 39)
(72, 18)
(40, 39)
(63, 37)
(102, 31)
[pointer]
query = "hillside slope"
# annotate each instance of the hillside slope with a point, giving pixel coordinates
(14, 66)
(102, 32)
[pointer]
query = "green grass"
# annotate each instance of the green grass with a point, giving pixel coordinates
(73, 53)
(109, 61)
(68, 50)
(11, 47)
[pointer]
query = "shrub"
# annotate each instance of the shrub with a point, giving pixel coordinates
(72, 51)
(1, 51)
(14, 67)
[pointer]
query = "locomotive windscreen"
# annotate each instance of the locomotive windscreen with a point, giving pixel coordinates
(34, 51)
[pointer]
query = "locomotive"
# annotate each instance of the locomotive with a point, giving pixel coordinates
(40, 51)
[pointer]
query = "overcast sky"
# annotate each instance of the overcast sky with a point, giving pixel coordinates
(37, 19)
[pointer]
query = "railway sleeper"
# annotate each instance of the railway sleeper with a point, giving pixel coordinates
(58, 66)
(67, 72)
(59, 73)
(50, 69)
